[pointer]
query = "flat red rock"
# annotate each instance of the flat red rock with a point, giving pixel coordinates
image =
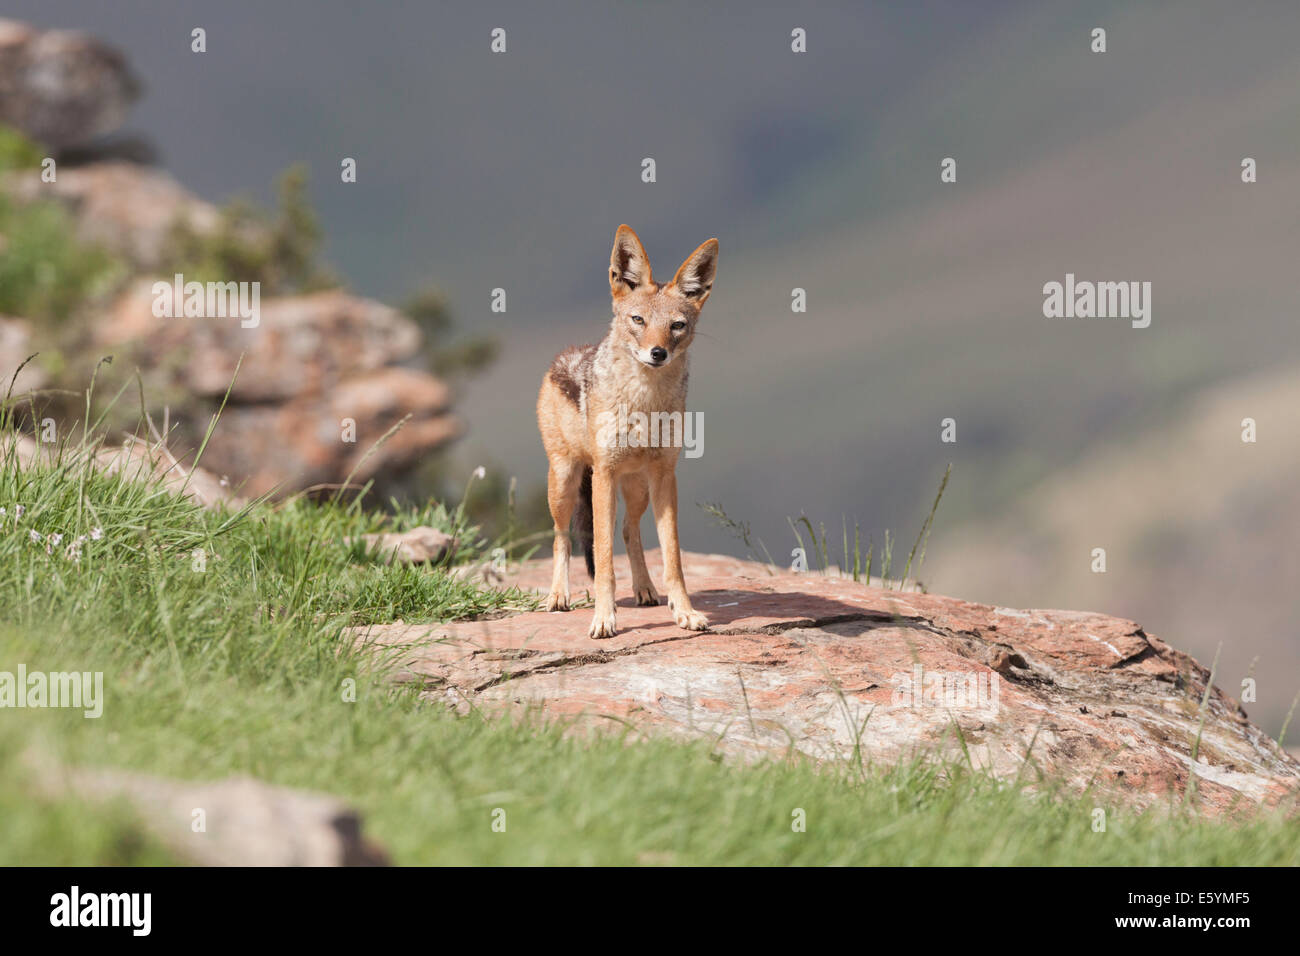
(822, 665)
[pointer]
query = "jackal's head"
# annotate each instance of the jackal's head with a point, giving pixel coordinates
(656, 322)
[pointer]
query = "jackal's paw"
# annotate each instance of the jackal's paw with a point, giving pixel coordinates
(646, 596)
(691, 620)
(602, 626)
(557, 602)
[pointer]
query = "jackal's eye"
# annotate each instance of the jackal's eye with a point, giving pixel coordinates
(637, 319)
(678, 326)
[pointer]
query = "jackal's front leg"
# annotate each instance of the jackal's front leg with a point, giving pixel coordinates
(636, 496)
(603, 510)
(663, 494)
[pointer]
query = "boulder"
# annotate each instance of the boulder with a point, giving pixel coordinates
(246, 822)
(320, 380)
(839, 671)
(422, 545)
(301, 344)
(60, 87)
(307, 442)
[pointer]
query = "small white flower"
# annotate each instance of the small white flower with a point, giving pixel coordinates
(96, 534)
(55, 538)
(35, 535)
(18, 511)
(3, 512)
(480, 472)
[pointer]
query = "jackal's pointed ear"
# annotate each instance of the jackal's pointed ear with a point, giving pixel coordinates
(695, 278)
(629, 266)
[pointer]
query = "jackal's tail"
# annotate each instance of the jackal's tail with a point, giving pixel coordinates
(583, 520)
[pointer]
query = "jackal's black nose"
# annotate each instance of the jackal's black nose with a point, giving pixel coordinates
(658, 353)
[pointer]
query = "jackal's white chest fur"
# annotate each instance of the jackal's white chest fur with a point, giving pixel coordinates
(626, 401)
(620, 380)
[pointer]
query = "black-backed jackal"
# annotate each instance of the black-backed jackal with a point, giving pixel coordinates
(640, 366)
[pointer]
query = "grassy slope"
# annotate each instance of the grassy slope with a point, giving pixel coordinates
(237, 669)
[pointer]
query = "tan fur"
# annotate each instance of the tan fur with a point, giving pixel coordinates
(583, 384)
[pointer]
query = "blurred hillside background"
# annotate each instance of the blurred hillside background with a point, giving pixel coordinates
(821, 171)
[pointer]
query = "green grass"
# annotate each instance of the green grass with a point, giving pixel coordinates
(45, 272)
(240, 669)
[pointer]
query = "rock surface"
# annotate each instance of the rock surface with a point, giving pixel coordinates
(61, 87)
(320, 381)
(817, 664)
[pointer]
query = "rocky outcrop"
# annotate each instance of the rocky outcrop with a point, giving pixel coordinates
(839, 671)
(300, 344)
(60, 87)
(321, 378)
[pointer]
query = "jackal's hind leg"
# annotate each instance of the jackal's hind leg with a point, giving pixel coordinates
(562, 481)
